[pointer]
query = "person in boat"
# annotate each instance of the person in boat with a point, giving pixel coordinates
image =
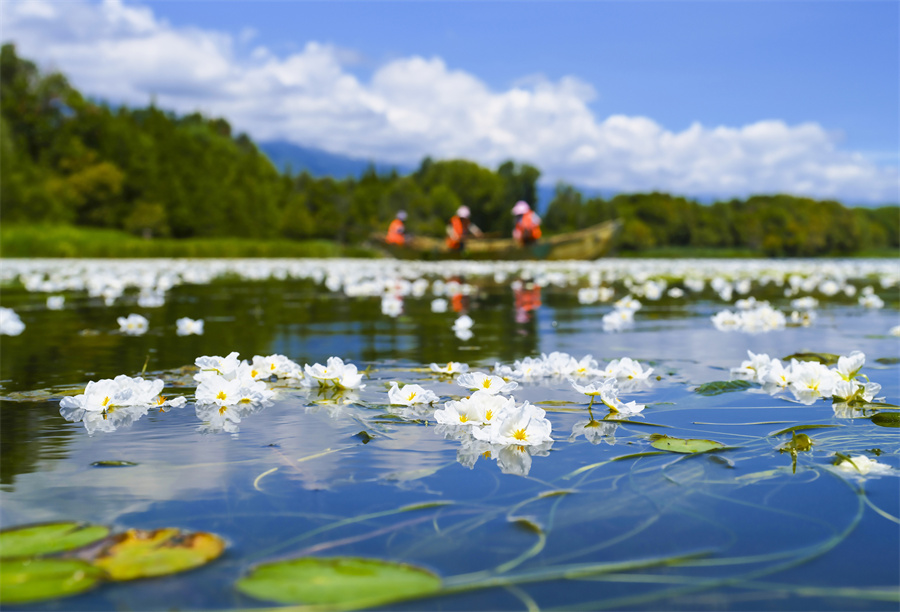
(459, 228)
(528, 224)
(396, 233)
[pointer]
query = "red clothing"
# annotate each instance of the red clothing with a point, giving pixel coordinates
(460, 227)
(395, 233)
(528, 229)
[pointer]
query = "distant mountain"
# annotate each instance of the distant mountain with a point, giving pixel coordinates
(288, 156)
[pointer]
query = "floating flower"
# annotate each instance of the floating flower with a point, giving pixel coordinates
(55, 302)
(214, 365)
(480, 408)
(186, 326)
(133, 324)
(595, 431)
(452, 368)
(485, 382)
(811, 380)
(861, 466)
(278, 366)
(849, 366)
(439, 305)
(10, 323)
(524, 426)
(334, 373)
(410, 394)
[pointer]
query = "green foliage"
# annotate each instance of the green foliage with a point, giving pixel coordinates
(338, 582)
(67, 160)
(48, 538)
(722, 386)
(27, 580)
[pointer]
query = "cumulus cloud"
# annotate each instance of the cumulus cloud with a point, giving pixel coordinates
(416, 106)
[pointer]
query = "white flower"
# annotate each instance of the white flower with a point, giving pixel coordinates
(55, 302)
(325, 374)
(894, 331)
(278, 366)
(391, 305)
(595, 431)
(133, 324)
(439, 305)
(222, 392)
(186, 326)
(617, 320)
(100, 395)
(725, 320)
(410, 394)
(452, 367)
(754, 368)
(212, 366)
(811, 380)
(525, 426)
(860, 465)
(350, 378)
(486, 382)
(871, 301)
(481, 408)
(10, 323)
(847, 367)
(151, 299)
(463, 322)
(608, 392)
(627, 368)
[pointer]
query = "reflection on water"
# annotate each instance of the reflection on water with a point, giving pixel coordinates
(293, 475)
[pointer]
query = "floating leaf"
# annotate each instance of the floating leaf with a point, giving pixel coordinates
(114, 463)
(528, 523)
(140, 554)
(342, 582)
(47, 539)
(722, 386)
(797, 443)
(682, 445)
(364, 436)
(887, 419)
(823, 358)
(888, 360)
(800, 428)
(27, 580)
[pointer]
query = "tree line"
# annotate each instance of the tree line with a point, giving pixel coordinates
(67, 159)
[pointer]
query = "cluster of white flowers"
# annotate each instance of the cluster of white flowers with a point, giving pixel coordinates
(133, 325)
(810, 380)
(335, 373)
(490, 423)
(462, 327)
(185, 326)
(10, 323)
(591, 295)
(451, 369)
(755, 318)
(622, 315)
(107, 404)
(608, 392)
(561, 366)
(869, 299)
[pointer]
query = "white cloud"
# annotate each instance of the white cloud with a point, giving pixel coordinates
(415, 106)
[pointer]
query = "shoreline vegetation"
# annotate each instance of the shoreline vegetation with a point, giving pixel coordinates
(65, 241)
(82, 178)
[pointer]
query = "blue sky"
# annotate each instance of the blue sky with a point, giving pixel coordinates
(727, 98)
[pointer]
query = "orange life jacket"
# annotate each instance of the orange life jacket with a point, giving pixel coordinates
(395, 233)
(460, 227)
(527, 229)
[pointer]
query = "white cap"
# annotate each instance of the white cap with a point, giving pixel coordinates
(521, 208)
(463, 211)
(401, 214)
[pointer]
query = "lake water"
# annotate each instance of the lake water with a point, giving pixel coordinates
(325, 472)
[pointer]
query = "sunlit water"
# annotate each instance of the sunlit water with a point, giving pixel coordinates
(765, 536)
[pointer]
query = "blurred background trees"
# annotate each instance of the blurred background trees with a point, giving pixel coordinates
(65, 159)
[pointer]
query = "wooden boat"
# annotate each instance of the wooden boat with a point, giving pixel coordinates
(588, 243)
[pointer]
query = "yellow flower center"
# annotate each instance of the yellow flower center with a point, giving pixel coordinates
(520, 434)
(411, 397)
(488, 415)
(222, 410)
(272, 367)
(105, 401)
(221, 395)
(160, 400)
(487, 383)
(463, 418)
(254, 373)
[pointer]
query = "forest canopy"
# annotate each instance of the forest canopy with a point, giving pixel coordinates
(66, 159)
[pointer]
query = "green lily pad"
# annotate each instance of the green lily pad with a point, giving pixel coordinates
(342, 582)
(823, 358)
(27, 580)
(722, 386)
(141, 554)
(48, 538)
(887, 419)
(682, 445)
(113, 463)
(888, 360)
